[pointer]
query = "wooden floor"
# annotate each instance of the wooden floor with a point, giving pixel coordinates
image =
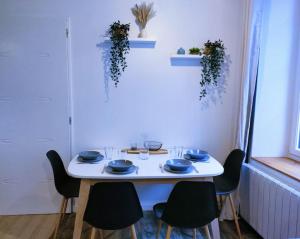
(41, 226)
(29, 226)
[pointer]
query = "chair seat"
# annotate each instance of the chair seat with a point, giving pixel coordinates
(159, 209)
(223, 185)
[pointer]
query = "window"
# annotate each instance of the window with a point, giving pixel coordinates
(295, 142)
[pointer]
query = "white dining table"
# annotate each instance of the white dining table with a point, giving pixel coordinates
(149, 172)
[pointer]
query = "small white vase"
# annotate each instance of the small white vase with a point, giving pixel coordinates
(143, 33)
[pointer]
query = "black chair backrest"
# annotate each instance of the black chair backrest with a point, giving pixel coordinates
(232, 166)
(113, 205)
(60, 174)
(191, 205)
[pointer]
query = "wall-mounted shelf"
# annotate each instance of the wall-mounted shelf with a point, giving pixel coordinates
(186, 57)
(142, 40)
(138, 42)
(185, 60)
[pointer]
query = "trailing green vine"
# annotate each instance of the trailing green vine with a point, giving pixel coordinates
(211, 62)
(118, 34)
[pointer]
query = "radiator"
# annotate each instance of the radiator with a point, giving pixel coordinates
(271, 207)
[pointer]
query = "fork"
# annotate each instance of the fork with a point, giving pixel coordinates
(195, 169)
(137, 170)
(161, 168)
(104, 167)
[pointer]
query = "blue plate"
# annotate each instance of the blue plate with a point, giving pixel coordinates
(109, 169)
(89, 155)
(203, 159)
(99, 158)
(196, 153)
(168, 169)
(120, 165)
(178, 164)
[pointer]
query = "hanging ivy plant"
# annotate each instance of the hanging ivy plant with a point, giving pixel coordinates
(211, 62)
(118, 34)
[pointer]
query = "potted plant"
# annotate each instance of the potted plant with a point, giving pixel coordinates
(212, 60)
(143, 13)
(118, 34)
(194, 51)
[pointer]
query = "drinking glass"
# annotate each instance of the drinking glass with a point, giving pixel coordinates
(123, 154)
(175, 152)
(118, 153)
(109, 151)
(179, 152)
(172, 152)
(144, 154)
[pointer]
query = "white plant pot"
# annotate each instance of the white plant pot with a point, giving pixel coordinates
(143, 33)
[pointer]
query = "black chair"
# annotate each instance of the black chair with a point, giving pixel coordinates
(112, 206)
(229, 181)
(190, 205)
(65, 185)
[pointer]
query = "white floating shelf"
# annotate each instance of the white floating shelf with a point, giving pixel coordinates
(188, 56)
(139, 40)
(142, 40)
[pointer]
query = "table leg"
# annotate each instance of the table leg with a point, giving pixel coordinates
(215, 231)
(82, 201)
(214, 225)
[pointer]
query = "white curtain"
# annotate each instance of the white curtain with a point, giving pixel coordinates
(251, 48)
(252, 41)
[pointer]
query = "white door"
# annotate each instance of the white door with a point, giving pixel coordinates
(34, 111)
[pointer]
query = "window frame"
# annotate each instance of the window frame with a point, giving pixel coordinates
(294, 153)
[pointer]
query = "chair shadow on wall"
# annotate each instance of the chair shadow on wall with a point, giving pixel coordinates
(215, 92)
(105, 56)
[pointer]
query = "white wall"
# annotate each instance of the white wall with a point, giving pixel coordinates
(277, 78)
(154, 99)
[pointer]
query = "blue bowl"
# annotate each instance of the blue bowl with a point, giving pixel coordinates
(196, 153)
(89, 155)
(120, 165)
(152, 145)
(178, 164)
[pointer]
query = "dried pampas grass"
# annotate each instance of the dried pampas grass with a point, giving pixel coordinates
(143, 13)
